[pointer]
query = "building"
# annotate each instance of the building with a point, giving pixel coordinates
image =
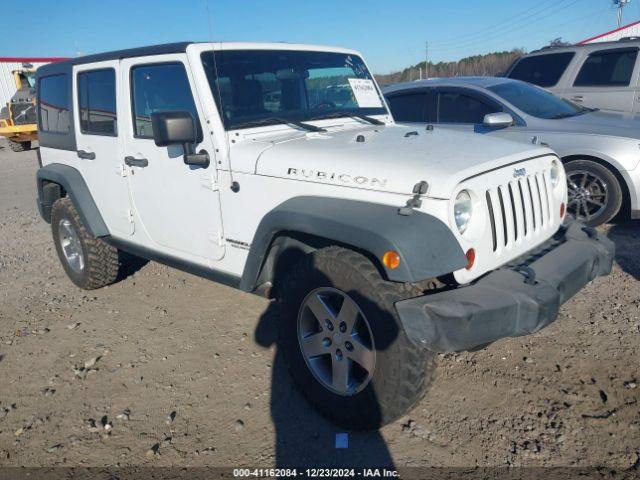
(631, 30)
(8, 65)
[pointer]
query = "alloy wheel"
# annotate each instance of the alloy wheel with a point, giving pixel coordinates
(588, 194)
(71, 247)
(336, 341)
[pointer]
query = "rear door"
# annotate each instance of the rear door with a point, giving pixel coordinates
(177, 205)
(606, 80)
(95, 89)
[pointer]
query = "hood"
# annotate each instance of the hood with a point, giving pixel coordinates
(599, 123)
(390, 158)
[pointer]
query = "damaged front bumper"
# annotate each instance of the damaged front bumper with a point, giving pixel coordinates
(515, 300)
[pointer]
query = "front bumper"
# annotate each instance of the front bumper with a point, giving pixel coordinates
(515, 300)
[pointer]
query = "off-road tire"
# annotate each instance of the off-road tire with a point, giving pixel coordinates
(403, 371)
(19, 146)
(101, 259)
(614, 201)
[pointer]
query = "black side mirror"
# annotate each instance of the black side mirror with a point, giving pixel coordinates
(179, 128)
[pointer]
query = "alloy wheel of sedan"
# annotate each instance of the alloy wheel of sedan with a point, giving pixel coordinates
(336, 341)
(588, 194)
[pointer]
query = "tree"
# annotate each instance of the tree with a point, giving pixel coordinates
(558, 42)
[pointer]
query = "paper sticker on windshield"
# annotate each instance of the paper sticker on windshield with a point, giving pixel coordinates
(365, 92)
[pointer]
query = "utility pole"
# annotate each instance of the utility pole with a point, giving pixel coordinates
(620, 4)
(426, 63)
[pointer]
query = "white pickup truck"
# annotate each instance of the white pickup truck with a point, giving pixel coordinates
(277, 169)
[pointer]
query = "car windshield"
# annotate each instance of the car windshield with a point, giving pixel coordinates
(266, 87)
(536, 101)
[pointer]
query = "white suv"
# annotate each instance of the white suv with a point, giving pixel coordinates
(278, 169)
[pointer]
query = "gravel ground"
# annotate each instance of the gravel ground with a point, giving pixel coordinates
(165, 368)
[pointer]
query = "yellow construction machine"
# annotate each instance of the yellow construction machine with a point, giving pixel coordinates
(18, 118)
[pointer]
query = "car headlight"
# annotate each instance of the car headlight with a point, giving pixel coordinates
(462, 209)
(555, 173)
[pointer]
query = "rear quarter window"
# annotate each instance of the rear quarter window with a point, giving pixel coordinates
(608, 68)
(53, 104)
(542, 70)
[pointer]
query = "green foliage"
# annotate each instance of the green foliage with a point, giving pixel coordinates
(490, 64)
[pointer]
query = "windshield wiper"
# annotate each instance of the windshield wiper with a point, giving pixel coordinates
(276, 120)
(563, 115)
(366, 118)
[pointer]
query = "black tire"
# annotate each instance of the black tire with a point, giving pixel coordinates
(402, 371)
(19, 146)
(612, 200)
(101, 265)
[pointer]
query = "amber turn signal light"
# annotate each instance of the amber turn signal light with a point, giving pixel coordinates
(471, 258)
(562, 210)
(391, 260)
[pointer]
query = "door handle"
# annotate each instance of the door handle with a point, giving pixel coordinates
(86, 155)
(577, 98)
(136, 162)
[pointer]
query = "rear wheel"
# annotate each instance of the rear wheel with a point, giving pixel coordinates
(344, 343)
(88, 261)
(19, 146)
(595, 195)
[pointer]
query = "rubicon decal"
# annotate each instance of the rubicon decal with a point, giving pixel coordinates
(335, 177)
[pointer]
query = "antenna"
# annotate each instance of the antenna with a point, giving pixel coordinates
(233, 184)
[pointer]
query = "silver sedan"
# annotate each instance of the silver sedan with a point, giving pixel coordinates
(600, 151)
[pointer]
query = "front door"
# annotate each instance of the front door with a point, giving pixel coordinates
(177, 205)
(99, 147)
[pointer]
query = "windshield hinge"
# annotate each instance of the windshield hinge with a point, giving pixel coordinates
(217, 238)
(420, 188)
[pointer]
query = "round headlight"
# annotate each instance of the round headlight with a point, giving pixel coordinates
(555, 172)
(462, 209)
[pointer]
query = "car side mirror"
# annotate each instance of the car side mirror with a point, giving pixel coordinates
(179, 128)
(498, 120)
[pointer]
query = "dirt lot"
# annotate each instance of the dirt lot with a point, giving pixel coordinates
(164, 368)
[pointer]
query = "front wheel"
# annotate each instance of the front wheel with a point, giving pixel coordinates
(595, 195)
(344, 343)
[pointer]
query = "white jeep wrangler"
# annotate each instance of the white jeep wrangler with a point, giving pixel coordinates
(278, 169)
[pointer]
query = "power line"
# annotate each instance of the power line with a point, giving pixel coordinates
(507, 31)
(510, 20)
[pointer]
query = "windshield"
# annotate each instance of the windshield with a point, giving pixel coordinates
(27, 79)
(537, 102)
(261, 87)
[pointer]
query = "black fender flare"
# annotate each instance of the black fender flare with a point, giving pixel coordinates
(426, 246)
(70, 179)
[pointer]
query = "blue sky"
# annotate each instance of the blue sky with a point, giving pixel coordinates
(390, 34)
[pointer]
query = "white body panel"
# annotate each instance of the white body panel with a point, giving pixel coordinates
(105, 175)
(191, 213)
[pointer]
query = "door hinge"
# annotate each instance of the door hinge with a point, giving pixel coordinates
(217, 238)
(130, 215)
(209, 182)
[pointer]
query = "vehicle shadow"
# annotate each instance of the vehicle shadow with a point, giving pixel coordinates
(626, 236)
(304, 438)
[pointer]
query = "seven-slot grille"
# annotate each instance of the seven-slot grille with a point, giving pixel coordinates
(519, 209)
